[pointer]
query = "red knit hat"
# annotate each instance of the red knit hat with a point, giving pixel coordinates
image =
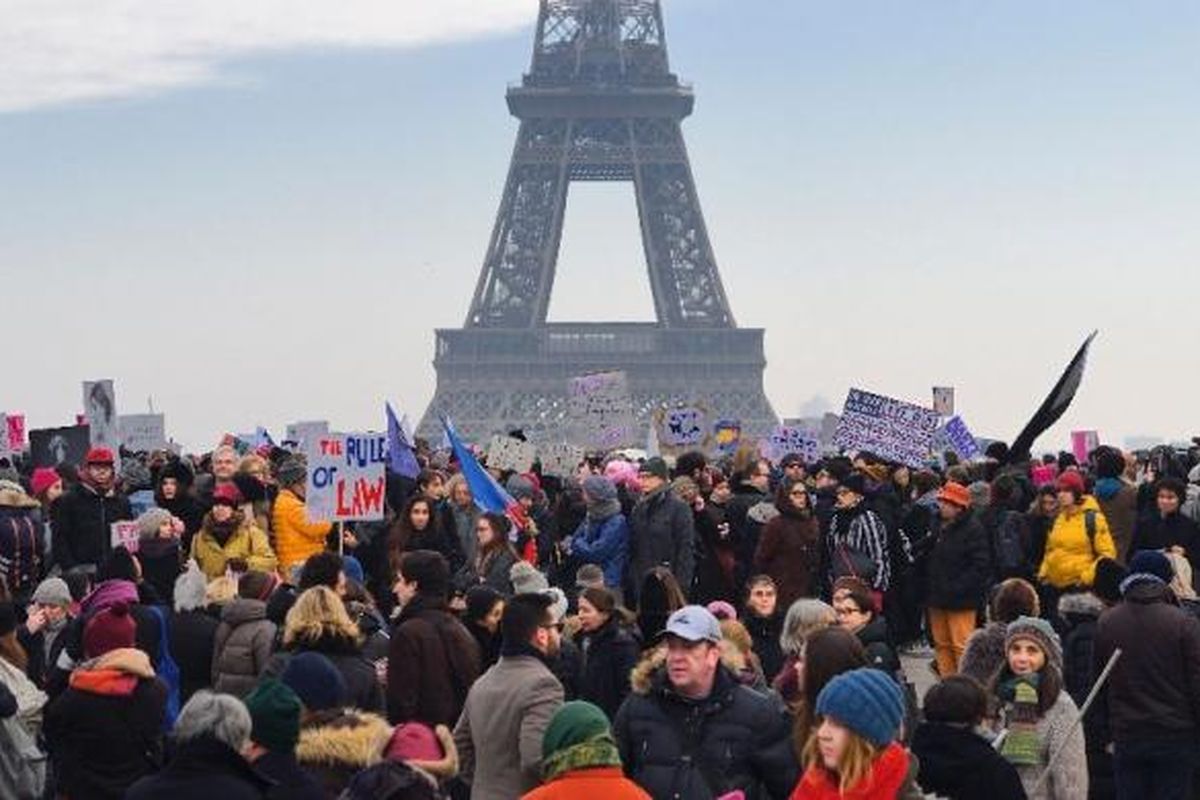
(43, 478)
(413, 741)
(1071, 481)
(228, 494)
(110, 629)
(100, 455)
(956, 494)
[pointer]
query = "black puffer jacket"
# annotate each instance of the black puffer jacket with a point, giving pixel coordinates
(609, 655)
(662, 533)
(191, 638)
(958, 764)
(764, 631)
(874, 638)
(959, 565)
(81, 525)
(741, 741)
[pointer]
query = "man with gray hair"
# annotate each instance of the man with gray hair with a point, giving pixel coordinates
(211, 736)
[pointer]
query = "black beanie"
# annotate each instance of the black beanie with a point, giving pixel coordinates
(1107, 585)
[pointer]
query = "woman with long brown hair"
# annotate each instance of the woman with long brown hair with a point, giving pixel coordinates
(416, 527)
(609, 648)
(826, 654)
(494, 556)
(659, 598)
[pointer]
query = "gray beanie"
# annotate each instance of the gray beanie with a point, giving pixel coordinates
(292, 471)
(599, 488)
(519, 487)
(526, 579)
(52, 592)
(150, 521)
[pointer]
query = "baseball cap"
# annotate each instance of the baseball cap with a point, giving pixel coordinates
(694, 624)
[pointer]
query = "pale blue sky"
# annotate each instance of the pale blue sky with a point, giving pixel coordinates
(901, 194)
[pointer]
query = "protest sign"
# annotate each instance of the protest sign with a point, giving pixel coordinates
(727, 435)
(943, 400)
(100, 411)
(1083, 443)
(600, 411)
(560, 460)
(507, 453)
(125, 534)
(15, 425)
(959, 437)
(681, 428)
(785, 439)
(345, 476)
(889, 428)
(49, 447)
(301, 432)
(143, 432)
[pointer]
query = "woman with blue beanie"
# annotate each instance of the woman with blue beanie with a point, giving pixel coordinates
(853, 753)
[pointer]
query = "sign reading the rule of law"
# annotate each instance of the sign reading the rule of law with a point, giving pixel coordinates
(345, 476)
(891, 429)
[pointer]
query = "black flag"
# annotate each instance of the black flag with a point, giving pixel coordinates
(1054, 406)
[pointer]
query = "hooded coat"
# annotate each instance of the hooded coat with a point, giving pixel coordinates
(609, 656)
(21, 541)
(789, 551)
(203, 769)
(1118, 502)
(82, 519)
(605, 543)
(247, 543)
(1071, 555)
(335, 745)
(241, 646)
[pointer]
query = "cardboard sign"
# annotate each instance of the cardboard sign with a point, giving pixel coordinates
(889, 428)
(345, 476)
(560, 460)
(100, 411)
(727, 435)
(15, 424)
(1083, 443)
(600, 410)
(49, 447)
(302, 432)
(785, 439)
(943, 400)
(125, 534)
(960, 439)
(507, 453)
(681, 428)
(143, 432)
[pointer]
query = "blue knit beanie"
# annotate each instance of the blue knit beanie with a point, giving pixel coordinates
(316, 681)
(867, 701)
(1152, 562)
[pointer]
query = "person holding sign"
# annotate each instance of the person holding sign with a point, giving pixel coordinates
(84, 515)
(228, 539)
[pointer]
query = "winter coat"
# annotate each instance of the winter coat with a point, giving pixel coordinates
(160, 565)
(82, 520)
(463, 520)
(105, 731)
(335, 745)
(295, 537)
(492, 572)
(1118, 503)
(499, 735)
(789, 551)
(1079, 612)
(292, 782)
(43, 649)
(203, 769)
(604, 543)
(1056, 730)
(247, 543)
(742, 528)
(362, 683)
(956, 763)
(609, 655)
(147, 635)
(185, 508)
(432, 662)
(1156, 532)
(892, 777)
(594, 783)
(740, 737)
(984, 653)
(874, 638)
(714, 558)
(858, 530)
(192, 635)
(22, 543)
(1153, 691)
(1071, 555)
(764, 632)
(959, 565)
(661, 533)
(241, 647)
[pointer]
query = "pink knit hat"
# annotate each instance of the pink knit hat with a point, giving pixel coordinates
(413, 741)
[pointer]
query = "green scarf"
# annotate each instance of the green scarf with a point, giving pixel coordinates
(599, 751)
(1022, 746)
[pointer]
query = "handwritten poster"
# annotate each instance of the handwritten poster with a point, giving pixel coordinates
(785, 439)
(143, 432)
(681, 428)
(600, 410)
(560, 459)
(346, 476)
(891, 429)
(961, 439)
(507, 453)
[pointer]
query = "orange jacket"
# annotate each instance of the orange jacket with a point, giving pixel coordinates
(295, 537)
(599, 783)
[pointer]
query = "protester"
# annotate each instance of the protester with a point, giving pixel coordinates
(244, 640)
(47, 618)
(764, 623)
(174, 496)
(737, 654)
(274, 732)
(854, 604)
(485, 607)
(1117, 498)
(83, 516)
(209, 737)
(22, 541)
(253, 481)
(580, 760)
(959, 571)
(1153, 694)
(956, 761)
(804, 618)
(464, 513)
(610, 651)
(857, 542)
(853, 753)
(432, 659)
(228, 540)
(499, 734)
(337, 743)
(984, 651)
(14, 662)
(789, 549)
(158, 549)
(224, 463)
(494, 556)
(295, 537)
(416, 527)
(1077, 540)
(738, 739)
(603, 537)
(661, 530)
(659, 597)
(1037, 717)
(1166, 527)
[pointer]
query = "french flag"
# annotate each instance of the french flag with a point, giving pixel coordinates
(487, 492)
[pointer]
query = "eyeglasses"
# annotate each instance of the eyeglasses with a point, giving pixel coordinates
(554, 626)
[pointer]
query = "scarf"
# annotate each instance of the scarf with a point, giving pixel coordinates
(599, 751)
(885, 780)
(600, 510)
(1022, 746)
(517, 649)
(222, 532)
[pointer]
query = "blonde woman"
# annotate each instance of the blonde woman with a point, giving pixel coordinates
(318, 623)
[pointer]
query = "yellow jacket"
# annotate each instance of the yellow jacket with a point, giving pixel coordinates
(295, 537)
(1070, 557)
(247, 543)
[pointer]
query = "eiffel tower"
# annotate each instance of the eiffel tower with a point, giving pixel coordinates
(599, 103)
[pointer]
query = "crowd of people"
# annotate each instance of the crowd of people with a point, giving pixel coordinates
(729, 628)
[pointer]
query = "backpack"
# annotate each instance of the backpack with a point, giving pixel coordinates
(167, 670)
(1008, 546)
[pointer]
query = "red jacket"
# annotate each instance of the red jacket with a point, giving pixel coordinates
(888, 775)
(598, 783)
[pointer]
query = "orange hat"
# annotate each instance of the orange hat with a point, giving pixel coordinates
(955, 493)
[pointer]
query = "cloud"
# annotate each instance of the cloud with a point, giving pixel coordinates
(54, 52)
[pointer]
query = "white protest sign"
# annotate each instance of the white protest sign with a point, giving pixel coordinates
(682, 427)
(345, 476)
(889, 428)
(143, 432)
(301, 432)
(560, 460)
(943, 400)
(100, 411)
(507, 453)
(125, 534)
(785, 439)
(600, 410)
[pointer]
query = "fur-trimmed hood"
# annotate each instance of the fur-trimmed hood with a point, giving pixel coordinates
(1080, 604)
(650, 669)
(13, 496)
(343, 738)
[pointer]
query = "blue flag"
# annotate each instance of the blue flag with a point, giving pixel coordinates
(401, 459)
(486, 491)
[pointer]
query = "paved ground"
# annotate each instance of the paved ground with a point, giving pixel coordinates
(916, 667)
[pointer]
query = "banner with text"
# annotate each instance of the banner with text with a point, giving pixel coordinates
(960, 439)
(682, 428)
(560, 460)
(507, 453)
(143, 432)
(600, 411)
(891, 429)
(346, 476)
(805, 442)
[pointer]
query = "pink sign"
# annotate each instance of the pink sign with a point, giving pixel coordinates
(16, 432)
(1083, 443)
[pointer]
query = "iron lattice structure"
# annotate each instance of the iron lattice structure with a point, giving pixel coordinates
(599, 103)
